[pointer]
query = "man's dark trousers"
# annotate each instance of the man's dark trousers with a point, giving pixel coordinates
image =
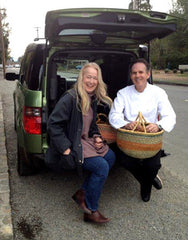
(144, 170)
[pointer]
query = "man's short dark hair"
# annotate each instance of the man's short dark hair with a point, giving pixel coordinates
(141, 60)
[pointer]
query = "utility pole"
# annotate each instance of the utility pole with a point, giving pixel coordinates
(2, 42)
(37, 30)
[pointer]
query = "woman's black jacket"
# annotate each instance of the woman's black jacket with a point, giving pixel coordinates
(65, 126)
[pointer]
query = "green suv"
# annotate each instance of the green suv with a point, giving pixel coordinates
(110, 37)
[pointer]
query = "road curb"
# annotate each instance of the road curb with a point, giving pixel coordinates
(6, 229)
(169, 83)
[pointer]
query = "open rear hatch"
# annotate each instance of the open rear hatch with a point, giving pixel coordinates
(118, 28)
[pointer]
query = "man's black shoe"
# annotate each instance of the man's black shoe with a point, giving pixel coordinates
(157, 183)
(145, 195)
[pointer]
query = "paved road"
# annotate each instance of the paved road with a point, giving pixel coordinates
(42, 208)
(176, 142)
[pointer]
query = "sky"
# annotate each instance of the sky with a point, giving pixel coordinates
(25, 17)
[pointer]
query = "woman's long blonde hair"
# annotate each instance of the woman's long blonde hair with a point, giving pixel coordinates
(83, 99)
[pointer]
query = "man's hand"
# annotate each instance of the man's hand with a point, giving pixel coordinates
(130, 126)
(152, 128)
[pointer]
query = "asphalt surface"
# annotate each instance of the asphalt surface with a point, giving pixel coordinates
(164, 217)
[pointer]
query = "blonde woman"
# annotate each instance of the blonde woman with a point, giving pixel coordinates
(75, 137)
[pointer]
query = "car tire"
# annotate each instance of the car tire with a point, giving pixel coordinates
(23, 167)
(15, 123)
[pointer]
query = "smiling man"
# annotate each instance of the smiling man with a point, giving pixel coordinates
(152, 102)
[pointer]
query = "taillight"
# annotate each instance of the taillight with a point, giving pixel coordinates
(32, 120)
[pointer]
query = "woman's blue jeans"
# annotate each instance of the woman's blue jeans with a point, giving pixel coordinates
(99, 168)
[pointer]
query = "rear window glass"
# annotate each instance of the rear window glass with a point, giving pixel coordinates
(64, 68)
(69, 69)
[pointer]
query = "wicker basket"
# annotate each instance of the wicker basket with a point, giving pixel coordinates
(107, 132)
(139, 144)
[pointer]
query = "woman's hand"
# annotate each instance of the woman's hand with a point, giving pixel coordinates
(98, 142)
(67, 151)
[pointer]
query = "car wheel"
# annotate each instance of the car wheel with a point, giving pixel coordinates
(15, 123)
(23, 167)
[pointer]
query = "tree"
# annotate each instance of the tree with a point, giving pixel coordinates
(180, 7)
(5, 31)
(143, 5)
(173, 49)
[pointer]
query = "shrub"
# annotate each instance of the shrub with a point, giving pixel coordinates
(174, 70)
(181, 71)
(166, 70)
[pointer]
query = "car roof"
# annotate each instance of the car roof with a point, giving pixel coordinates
(105, 26)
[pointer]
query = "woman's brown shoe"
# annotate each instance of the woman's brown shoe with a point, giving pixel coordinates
(95, 217)
(79, 198)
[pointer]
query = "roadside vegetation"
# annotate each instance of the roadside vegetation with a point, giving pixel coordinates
(170, 52)
(170, 77)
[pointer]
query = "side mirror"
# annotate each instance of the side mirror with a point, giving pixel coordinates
(11, 76)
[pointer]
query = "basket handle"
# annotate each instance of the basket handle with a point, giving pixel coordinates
(99, 120)
(140, 119)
